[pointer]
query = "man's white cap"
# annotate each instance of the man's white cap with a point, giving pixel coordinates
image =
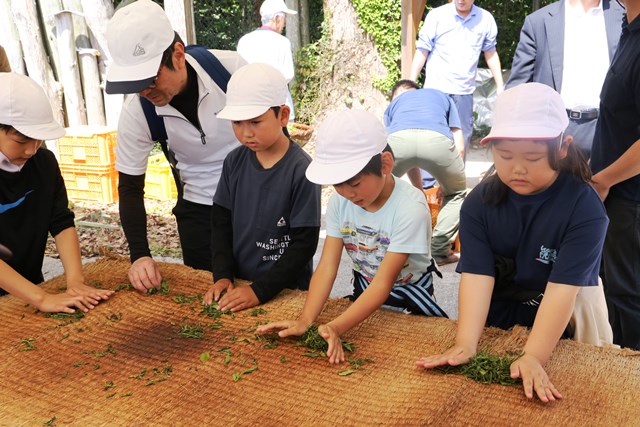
(252, 90)
(25, 106)
(269, 7)
(137, 36)
(530, 111)
(345, 143)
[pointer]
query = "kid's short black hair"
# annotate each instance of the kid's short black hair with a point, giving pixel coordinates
(404, 83)
(374, 167)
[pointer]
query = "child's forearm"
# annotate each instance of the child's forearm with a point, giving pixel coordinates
(551, 320)
(69, 251)
(12, 282)
(474, 298)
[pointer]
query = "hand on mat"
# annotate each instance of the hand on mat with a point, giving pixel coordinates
(456, 355)
(215, 290)
(285, 328)
(534, 378)
(63, 303)
(238, 298)
(144, 274)
(94, 295)
(335, 353)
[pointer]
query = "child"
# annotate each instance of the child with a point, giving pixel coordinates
(266, 214)
(532, 234)
(382, 222)
(424, 132)
(33, 202)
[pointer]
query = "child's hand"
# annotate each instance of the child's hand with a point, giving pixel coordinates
(238, 298)
(94, 295)
(215, 290)
(534, 377)
(335, 353)
(285, 328)
(63, 303)
(144, 274)
(456, 355)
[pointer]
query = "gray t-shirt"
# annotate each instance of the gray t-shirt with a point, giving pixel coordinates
(265, 204)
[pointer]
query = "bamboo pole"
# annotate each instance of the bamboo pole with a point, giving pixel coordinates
(10, 39)
(47, 9)
(90, 75)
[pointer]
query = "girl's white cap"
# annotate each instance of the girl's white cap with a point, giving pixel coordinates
(530, 111)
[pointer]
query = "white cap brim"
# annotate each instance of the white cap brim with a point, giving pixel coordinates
(235, 113)
(41, 131)
(132, 78)
(520, 133)
(334, 173)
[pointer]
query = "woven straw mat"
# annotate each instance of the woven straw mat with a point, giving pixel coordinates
(125, 363)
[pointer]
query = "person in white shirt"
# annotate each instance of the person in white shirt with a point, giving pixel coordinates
(267, 45)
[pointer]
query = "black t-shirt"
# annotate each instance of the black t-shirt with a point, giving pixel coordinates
(33, 203)
(618, 126)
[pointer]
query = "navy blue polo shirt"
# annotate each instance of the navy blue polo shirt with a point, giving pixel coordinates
(618, 126)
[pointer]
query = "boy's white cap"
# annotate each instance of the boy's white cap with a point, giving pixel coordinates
(252, 90)
(346, 142)
(25, 106)
(530, 111)
(137, 36)
(269, 7)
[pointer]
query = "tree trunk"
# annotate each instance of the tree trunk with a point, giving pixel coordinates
(47, 10)
(69, 69)
(10, 39)
(305, 37)
(90, 75)
(293, 26)
(175, 12)
(97, 14)
(535, 5)
(26, 18)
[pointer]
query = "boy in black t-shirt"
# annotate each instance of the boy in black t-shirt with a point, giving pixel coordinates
(33, 202)
(266, 214)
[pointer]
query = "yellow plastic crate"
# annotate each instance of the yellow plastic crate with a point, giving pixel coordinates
(91, 183)
(88, 145)
(159, 183)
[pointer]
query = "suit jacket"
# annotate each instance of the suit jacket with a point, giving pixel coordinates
(537, 60)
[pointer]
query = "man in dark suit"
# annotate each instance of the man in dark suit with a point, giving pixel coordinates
(568, 45)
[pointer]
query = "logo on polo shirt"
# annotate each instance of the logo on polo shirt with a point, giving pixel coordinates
(547, 255)
(138, 50)
(281, 222)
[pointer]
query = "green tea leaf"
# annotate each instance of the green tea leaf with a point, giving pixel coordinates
(204, 357)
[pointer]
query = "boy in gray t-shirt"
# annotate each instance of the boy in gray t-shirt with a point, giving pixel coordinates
(266, 213)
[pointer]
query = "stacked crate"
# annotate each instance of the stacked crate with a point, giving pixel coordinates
(87, 162)
(159, 183)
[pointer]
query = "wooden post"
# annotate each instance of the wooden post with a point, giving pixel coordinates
(47, 10)
(305, 37)
(411, 16)
(293, 26)
(190, 22)
(175, 11)
(70, 73)
(26, 19)
(89, 73)
(10, 39)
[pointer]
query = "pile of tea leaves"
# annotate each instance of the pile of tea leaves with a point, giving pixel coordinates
(486, 368)
(313, 340)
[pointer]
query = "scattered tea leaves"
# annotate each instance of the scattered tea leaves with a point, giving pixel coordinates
(346, 372)
(140, 375)
(313, 340)
(111, 396)
(486, 368)
(28, 344)
(184, 299)
(50, 423)
(97, 353)
(310, 354)
(157, 380)
(126, 394)
(78, 364)
(163, 289)
(283, 359)
(237, 376)
(204, 357)
(258, 312)
(66, 318)
(124, 287)
(108, 385)
(115, 317)
(215, 313)
(188, 330)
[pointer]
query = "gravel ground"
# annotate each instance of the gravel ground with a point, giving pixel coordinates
(446, 289)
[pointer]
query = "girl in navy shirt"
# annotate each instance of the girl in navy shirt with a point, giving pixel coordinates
(532, 234)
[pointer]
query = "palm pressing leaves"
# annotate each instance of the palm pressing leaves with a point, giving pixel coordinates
(486, 368)
(313, 340)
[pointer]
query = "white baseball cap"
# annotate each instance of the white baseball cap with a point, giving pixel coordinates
(269, 7)
(25, 106)
(252, 90)
(137, 36)
(530, 111)
(345, 143)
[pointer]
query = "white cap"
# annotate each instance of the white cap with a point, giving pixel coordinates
(270, 7)
(252, 90)
(137, 36)
(346, 141)
(25, 106)
(530, 111)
